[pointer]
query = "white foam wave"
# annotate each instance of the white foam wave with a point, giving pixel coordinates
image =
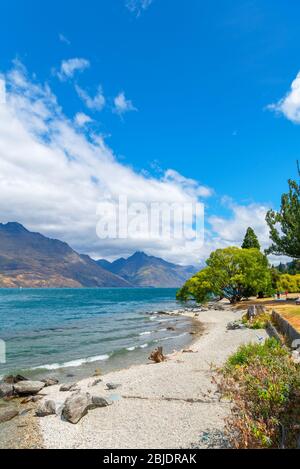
(131, 349)
(143, 345)
(71, 364)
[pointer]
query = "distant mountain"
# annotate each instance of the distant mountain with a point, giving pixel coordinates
(148, 271)
(32, 260)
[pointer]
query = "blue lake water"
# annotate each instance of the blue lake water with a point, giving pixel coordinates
(72, 332)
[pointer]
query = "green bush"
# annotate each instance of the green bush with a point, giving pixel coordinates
(264, 386)
(258, 322)
(289, 283)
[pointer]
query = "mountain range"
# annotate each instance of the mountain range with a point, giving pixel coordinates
(31, 260)
(142, 270)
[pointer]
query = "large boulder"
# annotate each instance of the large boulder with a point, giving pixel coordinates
(76, 407)
(27, 388)
(6, 390)
(7, 414)
(46, 408)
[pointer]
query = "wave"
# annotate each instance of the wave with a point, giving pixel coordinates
(73, 363)
(146, 333)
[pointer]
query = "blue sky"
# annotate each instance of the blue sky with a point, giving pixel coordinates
(194, 82)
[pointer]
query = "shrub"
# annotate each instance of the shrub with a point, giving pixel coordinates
(259, 322)
(290, 283)
(264, 386)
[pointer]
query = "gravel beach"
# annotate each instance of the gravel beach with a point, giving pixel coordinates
(167, 405)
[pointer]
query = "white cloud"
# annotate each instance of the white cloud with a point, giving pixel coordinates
(69, 67)
(2, 91)
(232, 230)
(190, 185)
(64, 39)
(122, 105)
(289, 106)
(82, 119)
(53, 174)
(95, 103)
(138, 6)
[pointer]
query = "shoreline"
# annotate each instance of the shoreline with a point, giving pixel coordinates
(165, 405)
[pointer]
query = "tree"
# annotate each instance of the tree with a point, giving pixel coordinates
(286, 241)
(230, 273)
(250, 240)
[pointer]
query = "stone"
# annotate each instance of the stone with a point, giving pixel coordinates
(94, 383)
(76, 407)
(68, 387)
(46, 408)
(50, 382)
(97, 401)
(14, 379)
(7, 414)
(170, 328)
(112, 386)
(6, 390)
(32, 399)
(234, 325)
(25, 388)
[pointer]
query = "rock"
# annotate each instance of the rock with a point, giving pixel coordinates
(97, 401)
(46, 408)
(97, 381)
(50, 382)
(112, 386)
(171, 328)
(187, 351)
(6, 390)
(14, 379)
(255, 310)
(32, 399)
(7, 414)
(234, 325)
(68, 387)
(76, 407)
(25, 388)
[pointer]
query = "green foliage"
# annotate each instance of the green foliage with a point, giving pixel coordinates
(287, 240)
(250, 240)
(264, 385)
(230, 273)
(258, 322)
(289, 283)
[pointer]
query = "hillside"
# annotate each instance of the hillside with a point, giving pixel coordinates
(32, 260)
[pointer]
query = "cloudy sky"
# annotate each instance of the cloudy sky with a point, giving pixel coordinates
(153, 100)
